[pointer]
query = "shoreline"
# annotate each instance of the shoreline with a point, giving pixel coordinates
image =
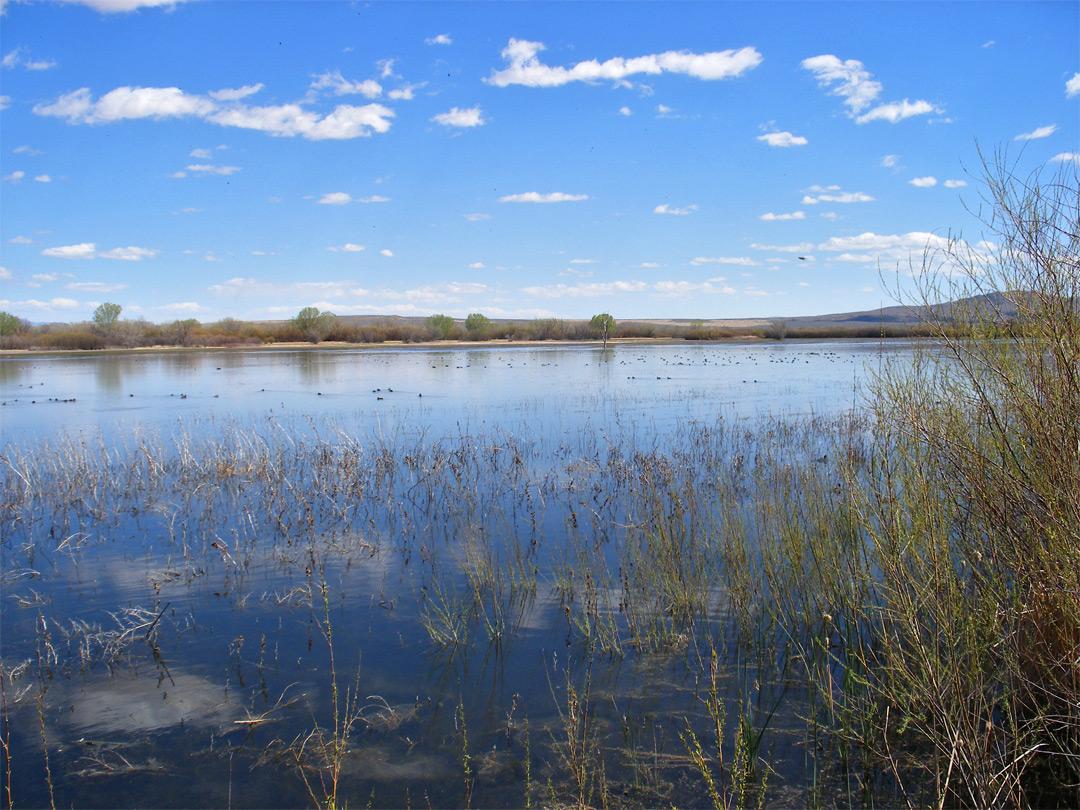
(451, 345)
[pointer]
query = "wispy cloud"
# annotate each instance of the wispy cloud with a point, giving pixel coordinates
(124, 6)
(18, 58)
(159, 103)
(348, 247)
(850, 80)
(342, 198)
(340, 86)
(235, 94)
(1065, 157)
(586, 289)
(833, 194)
(525, 68)
(667, 209)
(771, 217)
(923, 182)
(88, 250)
(441, 39)
(744, 261)
(955, 183)
(801, 247)
(905, 249)
(205, 169)
(537, 197)
(98, 287)
(1041, 132)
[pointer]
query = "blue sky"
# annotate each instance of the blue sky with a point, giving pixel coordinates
(246, 159)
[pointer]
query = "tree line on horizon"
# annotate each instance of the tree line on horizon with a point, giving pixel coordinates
(107, 330)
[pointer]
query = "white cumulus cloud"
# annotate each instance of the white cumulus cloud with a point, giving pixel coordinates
(923, 182)
(1065, 157)
(525, 68)
(441, 39)
(84, 250)
(955, 183)
(783, 139)
(1072, 86)
(456, 117)
(335, 198)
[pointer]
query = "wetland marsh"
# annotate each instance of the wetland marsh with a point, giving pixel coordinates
(510, 553)
(567, 576)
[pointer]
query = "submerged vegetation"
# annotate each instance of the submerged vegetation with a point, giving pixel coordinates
(876, 609)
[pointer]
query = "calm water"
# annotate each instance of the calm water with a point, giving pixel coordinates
(168, 612)
(430, 388)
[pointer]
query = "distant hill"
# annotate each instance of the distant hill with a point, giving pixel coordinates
(897, 317)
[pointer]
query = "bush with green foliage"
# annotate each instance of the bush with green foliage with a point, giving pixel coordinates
(9, 324)
(440, 326)
(972, 516)
(313, 325)
(478, 325)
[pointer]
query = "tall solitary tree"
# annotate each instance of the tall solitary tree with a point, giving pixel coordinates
(9, 324)
(314, 325)
(603, 324)
(106, 316)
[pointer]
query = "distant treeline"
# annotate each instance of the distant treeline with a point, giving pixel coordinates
(129, 334)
